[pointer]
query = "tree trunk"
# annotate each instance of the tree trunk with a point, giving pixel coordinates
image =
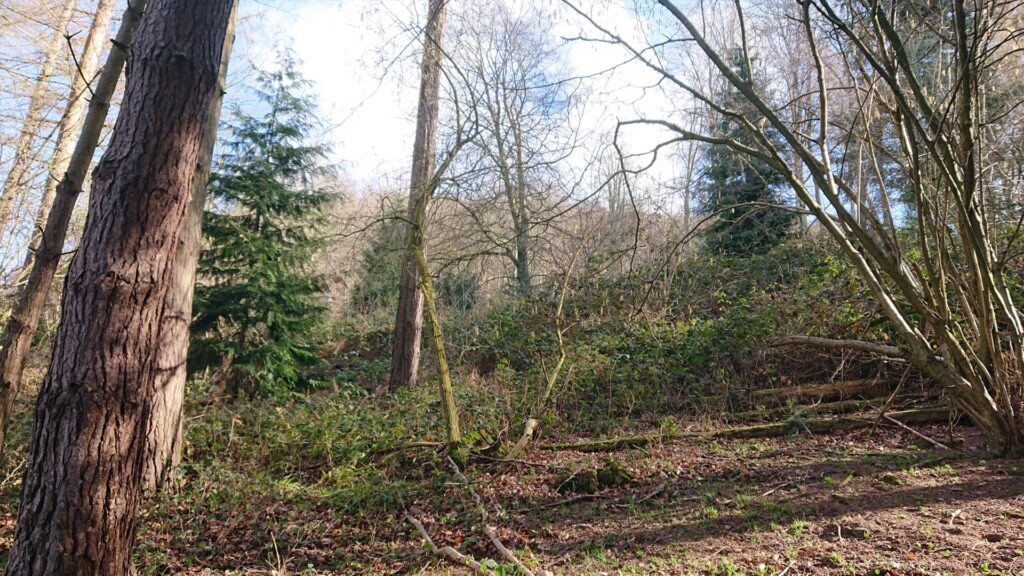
(449, 411)
(521, 211)
(957, 338)
(83, 479)
(524, 280)
(34, 116)
(69, 124)
(17, 335)
(405, 355)
(164, 440)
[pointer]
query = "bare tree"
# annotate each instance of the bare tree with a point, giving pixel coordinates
(17, 336)
(527, 128)
(83, 480)
(70, 123)
(34, 115)
(405, 355)
(952, 311)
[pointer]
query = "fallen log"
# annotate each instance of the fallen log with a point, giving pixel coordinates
(615, 444)
(931, 415)
(864, 389)
(858, 345)
(840, 407)
(928, 415)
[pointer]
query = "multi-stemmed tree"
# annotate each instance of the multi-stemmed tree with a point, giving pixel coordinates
(940, 283)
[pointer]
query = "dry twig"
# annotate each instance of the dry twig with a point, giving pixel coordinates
(447, 552)
(485, 527)
(935, 443)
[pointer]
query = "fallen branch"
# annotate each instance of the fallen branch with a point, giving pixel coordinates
(661, 488)
(928, 415)
(485, 527)
(566, 502)
(508, 556)
(524, 441)
(935, 443)
(506, 460)
(447, 553)
(404, 447)
(865, 389)
(621, 443)
(858, 345)
(840, 407)
(781, 486)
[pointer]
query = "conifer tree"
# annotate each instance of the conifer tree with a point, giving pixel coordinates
(742, 189)
(381, 265)
(258, 299)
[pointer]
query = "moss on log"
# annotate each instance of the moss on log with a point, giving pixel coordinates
(928, 415)
(840, 407)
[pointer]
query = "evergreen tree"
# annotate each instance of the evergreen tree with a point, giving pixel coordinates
(258, 300)
(381, 266)
(741, 188)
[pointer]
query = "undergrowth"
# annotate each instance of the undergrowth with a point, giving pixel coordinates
(281, 472)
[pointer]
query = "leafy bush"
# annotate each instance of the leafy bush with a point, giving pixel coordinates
(703, 337)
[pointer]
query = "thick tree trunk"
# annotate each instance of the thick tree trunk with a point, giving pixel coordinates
(405, 355)
(17, 335)
(70, 123)
(163, 448)
(83, 479)
(34, 116)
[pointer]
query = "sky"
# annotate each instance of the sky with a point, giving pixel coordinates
(362, 56)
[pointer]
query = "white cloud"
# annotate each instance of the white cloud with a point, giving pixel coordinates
(345, 44)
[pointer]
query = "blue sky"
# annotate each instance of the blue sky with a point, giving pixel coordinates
(362, 57)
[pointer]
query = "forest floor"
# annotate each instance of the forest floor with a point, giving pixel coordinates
(866, 502)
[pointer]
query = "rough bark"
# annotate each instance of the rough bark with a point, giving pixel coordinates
(83, 479)
(71, 121)
(405, 355)
(163, 448)
(17, 336)
(34, 115)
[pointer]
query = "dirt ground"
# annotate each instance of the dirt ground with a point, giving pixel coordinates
(869, 502)
(858, 503)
